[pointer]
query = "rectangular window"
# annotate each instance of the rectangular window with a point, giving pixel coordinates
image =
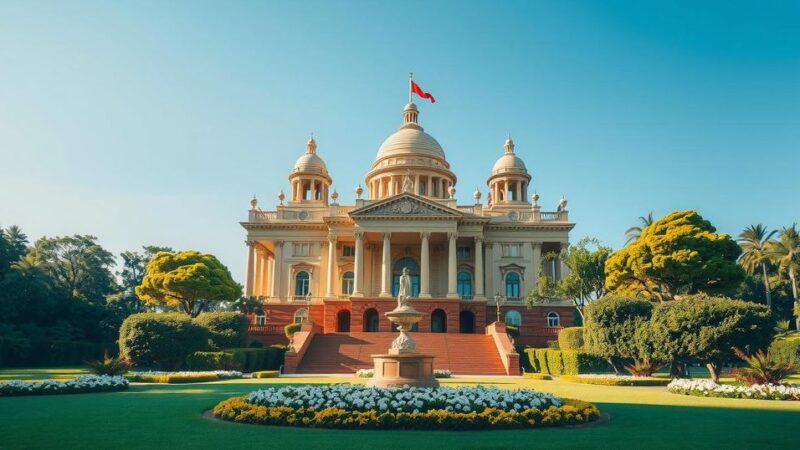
(348, 251)
(464, 252)
(512, 250)
(303, 249)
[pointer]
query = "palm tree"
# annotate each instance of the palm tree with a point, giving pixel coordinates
(785, 254)
(17, 238)
(634, 232)
(754, 241)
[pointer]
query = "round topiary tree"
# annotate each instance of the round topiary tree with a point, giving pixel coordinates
(571, 338)
(225, 329)
(161, 341)
(611, 325)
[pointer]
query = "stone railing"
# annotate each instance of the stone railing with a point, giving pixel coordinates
(505, 347)
(265, 329)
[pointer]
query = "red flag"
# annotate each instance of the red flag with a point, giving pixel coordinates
(418, 90)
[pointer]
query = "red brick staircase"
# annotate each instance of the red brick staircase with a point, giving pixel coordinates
(462, 354)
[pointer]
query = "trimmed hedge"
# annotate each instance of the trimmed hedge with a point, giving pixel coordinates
(225, 329)
(160, 340)
(255, 359)
(571, 412)
(176, 378)
(617, 381)
(21, 352)
(786, 349)
(266, 374)
(224, 360)
(571, 338)
(565, 362)
(538, 376)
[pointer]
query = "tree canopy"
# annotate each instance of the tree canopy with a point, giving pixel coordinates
(188, 280)
(680, 253)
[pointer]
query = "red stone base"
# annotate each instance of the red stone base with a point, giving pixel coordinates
(405, 369)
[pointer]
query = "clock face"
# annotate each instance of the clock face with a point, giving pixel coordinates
(303, 215)
(405, 207)
(512, 215)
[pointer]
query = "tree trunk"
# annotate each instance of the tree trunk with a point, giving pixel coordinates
(794, 283)
(617, 364)
(766, 285)
(676, 369)
(714, 369)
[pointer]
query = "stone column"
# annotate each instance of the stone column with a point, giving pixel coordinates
(499, 286)
(277, 268)
(537, 261)
(331, 264)
(358, 265)
(259, 271)
(442, 192)
(248, 281)
(528, 281)
(429, 190)
(424, 276)
(386, 269)
(564, 269)
(268, 275)
(488, 262)
(452, 292)
(479, 292)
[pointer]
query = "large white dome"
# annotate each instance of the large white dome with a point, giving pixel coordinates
(410, 140)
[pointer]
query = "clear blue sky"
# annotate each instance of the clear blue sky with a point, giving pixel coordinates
(155, 122)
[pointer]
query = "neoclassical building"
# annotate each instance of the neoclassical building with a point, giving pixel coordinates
(313, 259)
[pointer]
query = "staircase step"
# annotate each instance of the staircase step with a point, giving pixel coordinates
(468, 354)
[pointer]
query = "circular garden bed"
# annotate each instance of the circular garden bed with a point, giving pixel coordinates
(443, 408)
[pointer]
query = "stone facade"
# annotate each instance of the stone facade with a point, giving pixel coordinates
(337, 265)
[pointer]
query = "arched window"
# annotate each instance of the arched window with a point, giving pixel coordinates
(413, 272)
(553, 319)
(261, 317)
(438, 321)
(513, 317)
(348, 283)
(301, 283)
(466, 322)
(464, 284)
(371, 320)
(301, 315)
(512, 285)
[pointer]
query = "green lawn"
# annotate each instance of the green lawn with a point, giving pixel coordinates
(148, 416)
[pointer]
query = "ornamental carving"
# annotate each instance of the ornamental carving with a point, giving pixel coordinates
(404, 206)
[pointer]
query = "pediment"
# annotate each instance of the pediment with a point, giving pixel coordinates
(405, 205)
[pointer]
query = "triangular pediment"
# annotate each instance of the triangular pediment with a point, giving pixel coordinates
(405, 205)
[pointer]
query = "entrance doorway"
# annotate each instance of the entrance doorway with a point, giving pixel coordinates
(371, 320)
(343, 321)
(438, 321)
(466, 322)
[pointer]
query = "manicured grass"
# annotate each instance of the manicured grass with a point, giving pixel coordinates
(156, 416)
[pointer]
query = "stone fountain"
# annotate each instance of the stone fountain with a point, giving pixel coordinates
(402, 365)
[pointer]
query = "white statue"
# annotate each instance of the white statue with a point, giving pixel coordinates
(404, 291)
(408, 185)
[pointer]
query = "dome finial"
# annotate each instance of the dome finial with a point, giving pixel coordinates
(410, 114)
(311, 147)
(509, 145)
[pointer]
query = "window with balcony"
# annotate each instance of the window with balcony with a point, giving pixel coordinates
(553, 319)
(348, 280)
(464, 284)
(301, 284)
(512, 285)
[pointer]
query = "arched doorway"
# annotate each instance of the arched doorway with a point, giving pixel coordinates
(438, 321)
(413, 272)
(343, 321)
(371, 320)
(466, 322)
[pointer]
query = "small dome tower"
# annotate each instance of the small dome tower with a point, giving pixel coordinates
(309, 178)
(509, 180)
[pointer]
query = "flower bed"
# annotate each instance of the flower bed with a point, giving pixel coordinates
(355, 406)
(707, 388)
(615, 380)
(80, 385)
(183, 377)
(437, 373)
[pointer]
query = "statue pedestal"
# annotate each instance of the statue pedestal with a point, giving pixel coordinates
(401, 369)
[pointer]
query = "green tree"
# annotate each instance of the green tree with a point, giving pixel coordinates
(635, 231)
(678, 254)
(134, 265)
(585, 280)
(754, 241)
(78, 266)
(187, 280)
(704, 328)
(785, 254)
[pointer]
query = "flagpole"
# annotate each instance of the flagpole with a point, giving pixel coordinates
(410, 92)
